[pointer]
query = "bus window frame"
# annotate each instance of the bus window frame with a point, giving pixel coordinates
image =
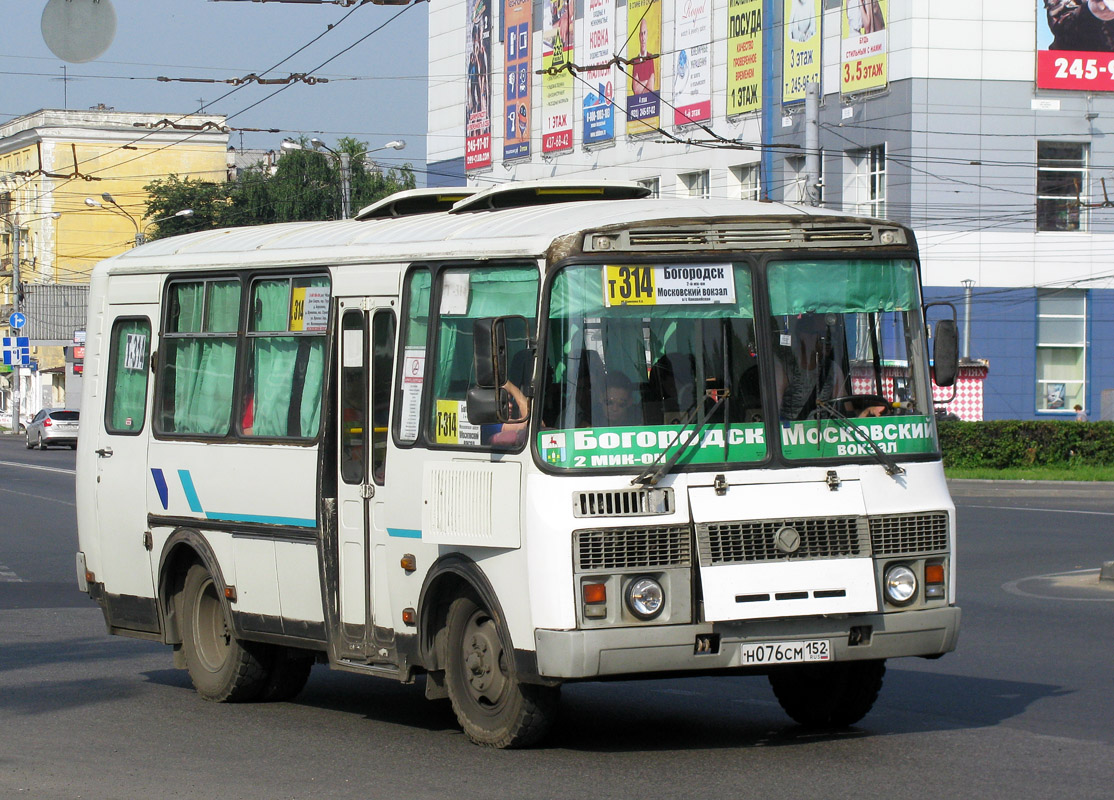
(113, 368)
(425, 436)
(247, 278)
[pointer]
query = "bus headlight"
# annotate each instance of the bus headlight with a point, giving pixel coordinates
(645, 598)
(901, 585)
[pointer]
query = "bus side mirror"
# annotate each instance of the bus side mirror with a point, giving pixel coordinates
(489, 347)
(488, 400)
(945, 352)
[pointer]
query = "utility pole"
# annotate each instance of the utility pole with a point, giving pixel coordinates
(345, 184)
(967, 284)
(812, 143)
(15, 308)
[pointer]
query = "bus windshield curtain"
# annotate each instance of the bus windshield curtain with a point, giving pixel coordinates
(840, 287)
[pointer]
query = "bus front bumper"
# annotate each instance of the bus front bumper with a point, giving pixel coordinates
(677, 648)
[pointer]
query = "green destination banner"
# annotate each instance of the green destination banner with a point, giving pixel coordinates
(835, 439)
(640, 446)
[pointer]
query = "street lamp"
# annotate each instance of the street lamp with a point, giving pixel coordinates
(345, 160)
(185, 212)
(17, 302)
(119, 211)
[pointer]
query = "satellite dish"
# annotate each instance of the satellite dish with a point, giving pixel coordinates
(78, 30)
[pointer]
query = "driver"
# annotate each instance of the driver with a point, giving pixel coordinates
(808, 361)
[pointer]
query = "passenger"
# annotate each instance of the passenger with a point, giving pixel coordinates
(619, 402)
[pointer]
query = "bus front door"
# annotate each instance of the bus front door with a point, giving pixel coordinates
(366, 356)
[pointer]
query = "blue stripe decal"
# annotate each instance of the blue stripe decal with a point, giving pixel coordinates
(296, 522)
(404, 533)
(160, 486)
(191, 493)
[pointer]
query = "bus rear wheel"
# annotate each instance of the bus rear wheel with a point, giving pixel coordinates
(492, 706)
(832, 695)
(222, 668)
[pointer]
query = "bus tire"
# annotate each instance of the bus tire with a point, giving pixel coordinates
(222, 668)
(287, 675)
(491, 705)
(832, 695)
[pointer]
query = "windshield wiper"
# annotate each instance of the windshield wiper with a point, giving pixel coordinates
(654, 473)
(892, 467)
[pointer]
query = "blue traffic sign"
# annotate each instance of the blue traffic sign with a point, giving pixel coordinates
(17, 320)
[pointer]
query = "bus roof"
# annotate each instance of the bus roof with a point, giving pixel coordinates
(520, 232)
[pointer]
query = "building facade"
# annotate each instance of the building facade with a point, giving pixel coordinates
(71, 188)
(979, 123)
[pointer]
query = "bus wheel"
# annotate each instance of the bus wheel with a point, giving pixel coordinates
(287, 674)
(222, 668)
(493, 708)
(828, 695)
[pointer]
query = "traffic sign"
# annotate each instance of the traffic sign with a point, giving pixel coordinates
(17, 320)
(17, 350)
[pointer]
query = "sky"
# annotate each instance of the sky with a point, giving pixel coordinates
(376, 90)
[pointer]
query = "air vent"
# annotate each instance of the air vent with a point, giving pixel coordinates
(909, 533)
(749, 236)
(763, 540)
(623, 503)
(633, 548)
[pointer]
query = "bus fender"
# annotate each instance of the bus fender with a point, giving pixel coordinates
(183, 546)
(449, 576)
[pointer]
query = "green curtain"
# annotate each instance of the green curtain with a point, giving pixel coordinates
(204, 369)
(803, 287)
(287, 369)
(129, 384)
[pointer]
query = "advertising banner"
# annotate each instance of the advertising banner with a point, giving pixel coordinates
(864, 52)
(557, 89)
(744, 56)
(516, 105)
(692, 62)
(644, 78)
(599, 93)
(477, 106)
(800, 49)
(1075, 45)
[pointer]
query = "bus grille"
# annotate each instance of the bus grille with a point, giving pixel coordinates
(909, 533)
(741, 237)
(623, 503)
(757, 540)
(633, 548)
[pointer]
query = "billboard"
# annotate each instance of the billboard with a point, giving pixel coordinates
(1075, 45)
(644, 81)
(692, 62)
(864, 49)
(599, 91)
(800, 49)
(744, 56)
(477, 105)
(516, 100)
(557, 88)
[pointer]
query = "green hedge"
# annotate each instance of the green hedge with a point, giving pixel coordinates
(1002, 444)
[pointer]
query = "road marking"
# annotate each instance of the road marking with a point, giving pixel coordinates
(38, 497)
(1026, 508)
(7, 576)
(36, 466)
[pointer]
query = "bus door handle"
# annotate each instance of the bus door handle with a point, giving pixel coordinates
(104, 452)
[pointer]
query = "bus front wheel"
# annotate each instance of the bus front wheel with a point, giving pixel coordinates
(492, 706)
(832, 695)
(222, 668)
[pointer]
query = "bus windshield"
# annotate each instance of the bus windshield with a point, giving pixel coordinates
(638, 356)
(638, 353)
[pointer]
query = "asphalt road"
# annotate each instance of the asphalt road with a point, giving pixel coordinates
(1025, 707)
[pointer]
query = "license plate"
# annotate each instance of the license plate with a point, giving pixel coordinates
(784, 652)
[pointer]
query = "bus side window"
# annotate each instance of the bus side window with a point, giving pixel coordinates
(415, 341)
(286, 357)
(126, 403)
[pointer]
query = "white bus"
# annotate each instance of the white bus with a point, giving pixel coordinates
(513, 438)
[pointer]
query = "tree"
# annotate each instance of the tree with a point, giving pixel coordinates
(306, 185)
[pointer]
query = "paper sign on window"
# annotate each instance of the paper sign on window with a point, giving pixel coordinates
(135, 353)
(309, 308)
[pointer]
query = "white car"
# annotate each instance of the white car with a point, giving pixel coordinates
(53, 426)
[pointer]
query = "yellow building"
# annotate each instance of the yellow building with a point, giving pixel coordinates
(56, 168)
